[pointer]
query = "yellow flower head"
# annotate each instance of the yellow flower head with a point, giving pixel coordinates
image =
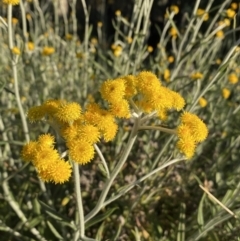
(113, 90)
(130, 86)
(28, 151)
(226, 93)
(118, 13)
(147, 83)
(44, 157)
(167, 75)
(68, 112)
(103, 119)
(58, 172)
(175, 9)
(48, 51)
(36, 113)
(46, 140)
(109, 130)
(150, 49)
(201, 12)
(51, 106)
(81, 151)
(16, 50)
(14, 20)
(162, 114)
(89, 133)
(198, 129)
(30, 46)
(196, 75)
(220, 34)
(159, 99)
(232, 78)
(187, 146)
(227, 21)
(117, 51)
(173, 32)
(120, 109)
(177, 101)
(13, 2)
(170, 59)
(230, 13)
(234, 6)
(70, 132)
(202, 102)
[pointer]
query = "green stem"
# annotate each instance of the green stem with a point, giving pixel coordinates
(103, 160)
(77, 184)
(159, 128)
(15, 77)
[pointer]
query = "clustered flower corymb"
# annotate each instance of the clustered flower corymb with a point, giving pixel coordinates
(81, 129)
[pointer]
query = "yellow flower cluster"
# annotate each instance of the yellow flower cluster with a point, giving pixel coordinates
(79, 130)
(190, 132)
(149, 95)
(82, 129)
(48, 163)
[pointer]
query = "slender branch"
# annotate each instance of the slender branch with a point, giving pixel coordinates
(81, 226)
(160, 128)
(103, 160)
(15, 77)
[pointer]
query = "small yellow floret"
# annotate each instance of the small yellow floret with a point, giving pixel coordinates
(226, 93)
(201, 12)
(232, 78)
(30, 46)
(173, 32)
(198, 129)
(113, 90)
(130, 86)
(90, 133)
(230, 13)
(36, 113)
(68, 112)
(167, 75)
(46, 140)
(202, 102)
(147, 83)
(234, 6)
(58, 172)
(175, 9)
(220, 34)
(81, 151)
(170, 59)
(187, 146)
(120, 109)
(16, 50)
(28, 151)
